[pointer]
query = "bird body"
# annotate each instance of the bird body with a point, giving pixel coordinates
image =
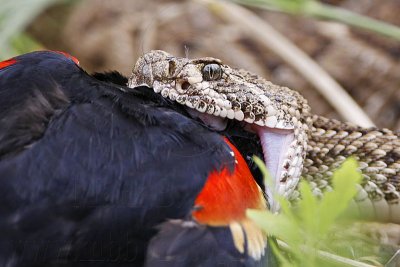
(93, 174)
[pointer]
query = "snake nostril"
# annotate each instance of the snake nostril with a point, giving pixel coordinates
(185, 85)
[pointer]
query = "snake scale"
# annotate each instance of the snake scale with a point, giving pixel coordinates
(295, 142)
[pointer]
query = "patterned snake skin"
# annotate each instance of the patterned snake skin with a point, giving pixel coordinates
(295, 142)
(378, 153)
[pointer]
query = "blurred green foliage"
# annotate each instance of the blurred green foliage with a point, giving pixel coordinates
(316, 225)
(15, 16)
(316, 9)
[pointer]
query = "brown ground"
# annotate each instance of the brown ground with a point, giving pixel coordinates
(107, 35)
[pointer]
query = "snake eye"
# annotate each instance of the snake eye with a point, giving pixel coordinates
(212, 72)
(171, 67)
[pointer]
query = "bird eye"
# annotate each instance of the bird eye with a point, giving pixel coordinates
(212, 72)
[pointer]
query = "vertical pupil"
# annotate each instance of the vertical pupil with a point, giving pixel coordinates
(212, 72)
(171, 67)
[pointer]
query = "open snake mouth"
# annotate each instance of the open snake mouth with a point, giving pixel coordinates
(278, 141)
(220, 97)
(274, 146)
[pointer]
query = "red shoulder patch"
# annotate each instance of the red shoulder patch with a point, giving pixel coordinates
(227, 195)
(7, 63)
(68, 56)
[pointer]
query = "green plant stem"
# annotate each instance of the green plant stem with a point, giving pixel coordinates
(318, 10)
(323, 11)
(15, 15)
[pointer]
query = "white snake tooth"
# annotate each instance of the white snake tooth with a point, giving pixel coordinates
(157, 89)
(181, 99)
(201, 106)
(172, 95)
(260, 122)
(249, 120)
(227, 104)
(189, 104)
(289, 126)
(230, 114)
(239, 115)
(165, 92)
(210, 109)
(280, 125)
(271, 121)
(223, 113)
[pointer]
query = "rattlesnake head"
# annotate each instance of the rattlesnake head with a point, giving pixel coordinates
(215, 93)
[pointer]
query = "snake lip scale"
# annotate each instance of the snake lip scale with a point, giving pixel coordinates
(294, 141)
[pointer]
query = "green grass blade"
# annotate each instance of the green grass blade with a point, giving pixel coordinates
(15, 15)
(319, 10)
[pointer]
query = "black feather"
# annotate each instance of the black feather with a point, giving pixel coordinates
(89, 167)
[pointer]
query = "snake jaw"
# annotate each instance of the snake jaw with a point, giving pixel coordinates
(276, 113)
(284, 160)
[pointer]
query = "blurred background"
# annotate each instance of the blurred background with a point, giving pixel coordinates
(110, 35)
